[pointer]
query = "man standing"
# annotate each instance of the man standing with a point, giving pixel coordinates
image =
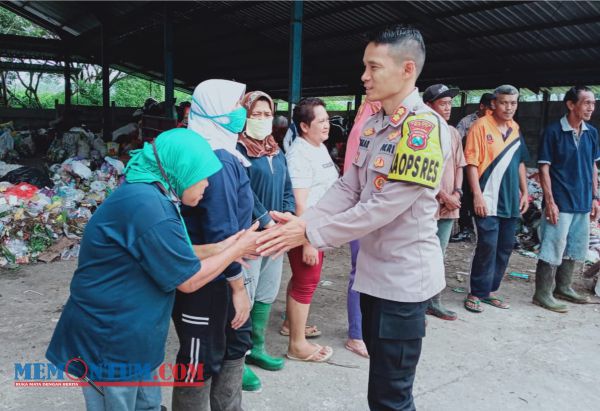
(495, 154)
(465, 220)
(439, 98)
(387, 199)
(567, 160)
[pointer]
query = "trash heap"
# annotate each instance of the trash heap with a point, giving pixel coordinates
(41, 218)
(528, 232)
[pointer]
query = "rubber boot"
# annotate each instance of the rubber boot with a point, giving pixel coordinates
(564, 279)
(226, 390)
(250, 381)
(192, 398)
(436, 309)
(258, 356)
(544, 284)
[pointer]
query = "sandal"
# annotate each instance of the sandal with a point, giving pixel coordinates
(314, 356)
(496, 302)
(310, 331)
(472, 304)
(362, 350)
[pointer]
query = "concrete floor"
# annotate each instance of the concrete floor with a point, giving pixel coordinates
(525, 358)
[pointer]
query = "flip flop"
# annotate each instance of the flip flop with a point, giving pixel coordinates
(363, 353)
(310, 331)
(496, 302)
(313, 357)
(477, 308)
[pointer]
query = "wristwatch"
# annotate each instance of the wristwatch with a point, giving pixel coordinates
(596, 197)
(459, 191)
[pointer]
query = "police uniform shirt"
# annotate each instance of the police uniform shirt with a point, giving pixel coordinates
(387, 199)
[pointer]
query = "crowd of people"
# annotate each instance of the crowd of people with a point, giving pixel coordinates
(198, 231)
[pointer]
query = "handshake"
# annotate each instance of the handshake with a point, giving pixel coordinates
(287, 232)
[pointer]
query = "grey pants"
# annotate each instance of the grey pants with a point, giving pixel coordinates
(263, 279)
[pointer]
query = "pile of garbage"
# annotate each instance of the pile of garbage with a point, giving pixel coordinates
(42, 218)
(528, 232)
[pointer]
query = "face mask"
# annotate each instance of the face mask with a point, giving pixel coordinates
(259, 129)
(237, 118)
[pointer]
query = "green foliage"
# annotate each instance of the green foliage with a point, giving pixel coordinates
(10, 23)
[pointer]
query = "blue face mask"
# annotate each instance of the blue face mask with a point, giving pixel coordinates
(237, 118)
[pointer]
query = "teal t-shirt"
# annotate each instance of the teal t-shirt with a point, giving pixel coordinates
(134, 253)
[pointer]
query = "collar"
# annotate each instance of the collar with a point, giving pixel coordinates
(564, 123)
(411, 103)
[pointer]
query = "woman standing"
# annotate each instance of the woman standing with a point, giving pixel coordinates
(134, 253)
(272, 189)
(203, 320)
(312, 172)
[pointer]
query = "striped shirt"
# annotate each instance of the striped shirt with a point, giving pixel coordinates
(497, 158)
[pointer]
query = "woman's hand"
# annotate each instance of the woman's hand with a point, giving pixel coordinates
(310, 255)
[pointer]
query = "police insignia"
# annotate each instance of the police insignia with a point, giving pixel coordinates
(418, 134)
(378, 182)
(369, 132)
(398, 115)
(419, 158)
(379, 162)
(393, 135)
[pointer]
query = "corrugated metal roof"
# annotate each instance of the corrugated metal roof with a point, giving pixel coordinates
(471, 44)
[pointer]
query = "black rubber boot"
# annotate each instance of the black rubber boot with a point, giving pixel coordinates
(564, 279)
(544, 284)
(192, 398)
(437, 309)
(226, 392)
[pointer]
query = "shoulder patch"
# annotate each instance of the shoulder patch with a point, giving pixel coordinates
(419, 158)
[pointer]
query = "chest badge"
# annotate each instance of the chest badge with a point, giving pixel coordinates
(378, 182)
(393, 135)
(418, 133)
(379, 162)
(369, 132)
(489, 138)
(398, 115)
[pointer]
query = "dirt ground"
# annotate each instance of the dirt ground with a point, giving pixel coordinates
(525, 358)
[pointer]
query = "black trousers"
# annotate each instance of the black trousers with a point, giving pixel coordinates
(465, 219)
(203, 323)
(393, 332)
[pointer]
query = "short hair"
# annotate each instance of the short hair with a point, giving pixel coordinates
(486, 99)
(304, 112)
(280, 121)
(406, 43)
(506, 89)
(573, 93)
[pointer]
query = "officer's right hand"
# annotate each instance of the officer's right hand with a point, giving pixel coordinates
(479, 205)
(552, 213)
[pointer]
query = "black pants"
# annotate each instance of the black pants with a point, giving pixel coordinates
(203, 323)
(465, 219)
(393, 332)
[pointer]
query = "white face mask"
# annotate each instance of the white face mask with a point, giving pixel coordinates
(259, 129)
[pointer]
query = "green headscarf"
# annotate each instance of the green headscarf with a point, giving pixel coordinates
(185, 157)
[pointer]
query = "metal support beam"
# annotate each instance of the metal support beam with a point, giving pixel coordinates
(545, 107)
(67, 83)
(357, 101)
(168, 55)
(106, 123)
(295, 55)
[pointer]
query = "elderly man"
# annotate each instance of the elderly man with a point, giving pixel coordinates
(567, 160)
(439, 98)
(387, 199)
(495, 154)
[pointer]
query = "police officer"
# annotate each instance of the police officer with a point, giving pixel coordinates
(387, 199)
